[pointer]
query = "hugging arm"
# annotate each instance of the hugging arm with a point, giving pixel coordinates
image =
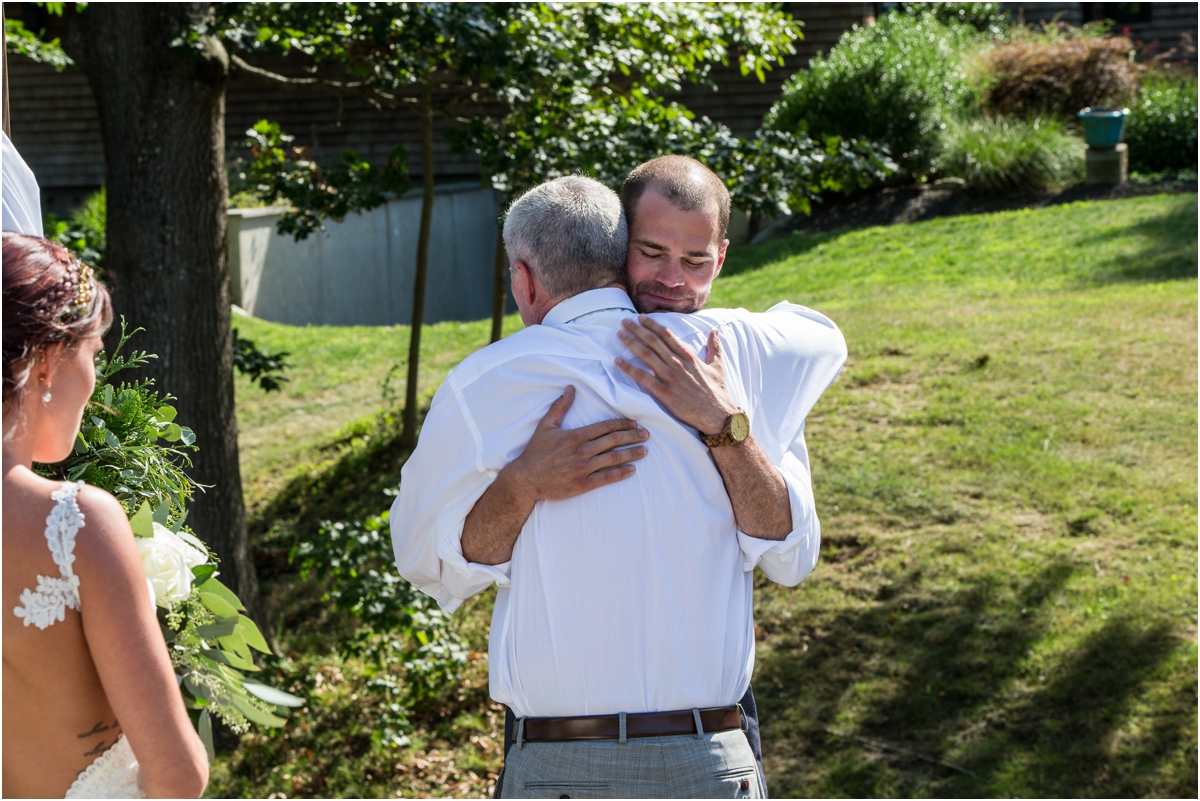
(693, 390)
(556, 464)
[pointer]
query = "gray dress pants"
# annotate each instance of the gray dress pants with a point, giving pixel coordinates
(713, 765)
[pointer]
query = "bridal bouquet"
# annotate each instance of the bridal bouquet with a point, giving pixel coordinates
(130, 446)
(209, 638)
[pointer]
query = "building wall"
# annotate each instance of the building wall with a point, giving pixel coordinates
(360, 271)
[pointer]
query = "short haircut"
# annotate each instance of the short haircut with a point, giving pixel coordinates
(683, 181)
(571, 232)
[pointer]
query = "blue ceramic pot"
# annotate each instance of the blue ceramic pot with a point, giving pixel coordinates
(1102, 127)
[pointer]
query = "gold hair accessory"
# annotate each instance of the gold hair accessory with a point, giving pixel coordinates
(83, 294)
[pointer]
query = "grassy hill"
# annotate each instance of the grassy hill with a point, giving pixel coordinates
(1006, 474)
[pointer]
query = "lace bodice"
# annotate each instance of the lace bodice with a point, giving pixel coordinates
(54, 595)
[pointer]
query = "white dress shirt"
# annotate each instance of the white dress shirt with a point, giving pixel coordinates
(22, 206)
(637, 596)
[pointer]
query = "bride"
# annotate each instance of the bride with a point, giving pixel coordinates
(91, 704)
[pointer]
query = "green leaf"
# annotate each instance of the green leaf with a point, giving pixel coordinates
(161, 512)
(192, 540)
(204, 729)
(174, 433)
(272, 695)
(237, 660)
(251, 635)
(179, 525)
(217, 588)
(255, 714)
(112, 440)
(216, 604)
(81, 446)
(142, 521)
(187, 436)
(236, 644)
(222, 628)
(108, 394)
(197, 689)
(165, 414)
(202, 573)
(98, 423)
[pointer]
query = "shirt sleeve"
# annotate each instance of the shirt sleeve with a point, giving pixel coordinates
(440, 484)
(795, 354)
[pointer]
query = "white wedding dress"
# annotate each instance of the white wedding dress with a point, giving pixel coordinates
(114, 774)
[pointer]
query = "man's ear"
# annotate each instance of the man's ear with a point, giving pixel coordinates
(721, 257)
(524, 284)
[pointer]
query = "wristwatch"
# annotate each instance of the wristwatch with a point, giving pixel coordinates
(737, 428)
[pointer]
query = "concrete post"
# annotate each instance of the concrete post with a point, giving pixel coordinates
(1109, 165)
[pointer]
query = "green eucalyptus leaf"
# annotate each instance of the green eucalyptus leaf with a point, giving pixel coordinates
(272, 695)
(204, 729)
(216, 604)
(111, 440)
(173, 433)
(187, 436)
(222, 628)
(165, 414)
(160, 512)
(254, 713)
(98, 423)
(192, 540)
(108, 394)
(142, 521)
(251, 635)
(81, 446)
(217, 588)
(179, 523)
(202, 573)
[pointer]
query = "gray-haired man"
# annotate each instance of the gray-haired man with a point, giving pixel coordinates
(622, 636)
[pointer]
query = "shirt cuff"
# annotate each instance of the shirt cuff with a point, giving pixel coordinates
(461, 578)
(802, 544)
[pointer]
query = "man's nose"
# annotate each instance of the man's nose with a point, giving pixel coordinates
(671, 273)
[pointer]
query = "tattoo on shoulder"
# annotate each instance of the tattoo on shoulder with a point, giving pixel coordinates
(99, 749)
(99, 727)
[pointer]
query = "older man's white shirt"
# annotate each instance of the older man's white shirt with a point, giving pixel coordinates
(635, 597)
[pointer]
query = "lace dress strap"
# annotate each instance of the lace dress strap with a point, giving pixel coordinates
(54, 595)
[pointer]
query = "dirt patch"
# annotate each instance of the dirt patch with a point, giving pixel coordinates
(906, 204)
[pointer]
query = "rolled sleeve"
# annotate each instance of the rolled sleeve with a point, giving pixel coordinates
(440, 484)
(790, 560)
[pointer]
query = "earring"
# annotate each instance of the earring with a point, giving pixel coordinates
(46, 398)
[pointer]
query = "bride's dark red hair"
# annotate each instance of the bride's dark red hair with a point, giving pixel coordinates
(42, 304)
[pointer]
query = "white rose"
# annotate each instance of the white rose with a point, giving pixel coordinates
(168, 562)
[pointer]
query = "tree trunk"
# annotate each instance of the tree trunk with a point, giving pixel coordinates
(162, 120)
(408, 437)
(499, 290)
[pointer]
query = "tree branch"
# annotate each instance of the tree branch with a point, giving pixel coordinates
(364, 88)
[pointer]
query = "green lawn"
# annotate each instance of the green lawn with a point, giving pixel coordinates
(1006, 474)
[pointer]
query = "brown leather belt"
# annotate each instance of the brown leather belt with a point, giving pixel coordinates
(642, 724)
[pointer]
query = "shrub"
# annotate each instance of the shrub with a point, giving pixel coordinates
(1006, 155)
(83, 233)
(1161, 129)
(1043, 76)
(896, 83)
(987, 18)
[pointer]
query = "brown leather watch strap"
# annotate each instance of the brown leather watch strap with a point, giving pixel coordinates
(645, 724)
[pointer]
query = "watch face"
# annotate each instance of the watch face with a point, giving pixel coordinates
(739, 427)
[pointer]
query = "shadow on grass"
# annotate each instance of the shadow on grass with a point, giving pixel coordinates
(748, 258)
(947, 674)
(1168, 253)
(349, 484)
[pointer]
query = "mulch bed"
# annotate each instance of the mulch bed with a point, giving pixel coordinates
(914, 203)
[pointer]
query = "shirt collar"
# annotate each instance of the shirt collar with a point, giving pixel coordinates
(590, 302)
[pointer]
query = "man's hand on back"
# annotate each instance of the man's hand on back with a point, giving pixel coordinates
(555, 465)
(694, 392)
